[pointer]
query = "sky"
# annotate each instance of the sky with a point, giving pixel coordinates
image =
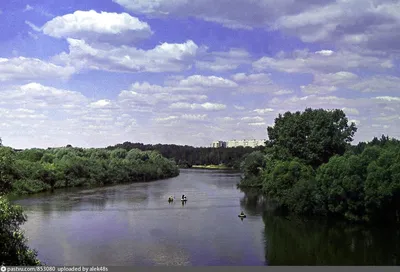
(95, 73)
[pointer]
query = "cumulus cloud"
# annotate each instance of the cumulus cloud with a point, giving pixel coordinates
(233, 14)
(21, 68)
(367, 24)
(252, 119)
(69, 117)
(332, 82)
(194, 106)
(256, 83)
(166, 57)
(364, 23)
(223, 61)
(92, 26)
(52, 116)
(311, 62)
(377, 84)
(35, 95)
(263, 111)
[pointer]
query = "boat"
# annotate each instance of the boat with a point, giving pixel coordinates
(242, 215)
(183, 199)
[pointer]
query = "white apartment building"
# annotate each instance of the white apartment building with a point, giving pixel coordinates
(217, 144)
(236, 143)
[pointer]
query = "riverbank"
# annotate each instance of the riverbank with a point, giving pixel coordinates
(37, 170)
(212, 167)
(15, 195)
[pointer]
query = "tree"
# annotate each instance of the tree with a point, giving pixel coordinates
(13, 248)
(313, 136)
(7, 168)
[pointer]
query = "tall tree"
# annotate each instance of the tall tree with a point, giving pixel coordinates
(314, 135)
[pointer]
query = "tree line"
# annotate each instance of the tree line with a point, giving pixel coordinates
(186, 156)
(34, 170)
(309, 167)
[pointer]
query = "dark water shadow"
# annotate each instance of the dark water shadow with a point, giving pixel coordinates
(291, 240)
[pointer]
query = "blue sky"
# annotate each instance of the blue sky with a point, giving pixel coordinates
(96, 73)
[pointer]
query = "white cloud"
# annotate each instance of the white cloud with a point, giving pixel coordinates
(366, 24)
(92, 26)
(282, 92)
(207, 82)
(223, 61)
(255, 83)
(194, 117)
(166, 57)
(27, 8)
(22, 68)
(205, 106)
(351, 111)
(264, 111)
(258, 124)
(226, 119)
(239, 107)
(37, 96)
(315, 89)
(252, 119)
(377, 84)
(337, 78)
(308, 62)
(145, 94)
(369, 24)
(325, 52)
(232, 14)
(166, 119)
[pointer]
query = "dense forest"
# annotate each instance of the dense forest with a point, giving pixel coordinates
(35, 170)
(186, 156)
(309, 167)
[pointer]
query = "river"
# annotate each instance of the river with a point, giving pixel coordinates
(135, 225)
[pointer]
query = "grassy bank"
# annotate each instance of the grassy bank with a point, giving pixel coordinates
(212, 167)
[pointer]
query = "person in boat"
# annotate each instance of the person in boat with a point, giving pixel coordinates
(183, 197)
(242, 213)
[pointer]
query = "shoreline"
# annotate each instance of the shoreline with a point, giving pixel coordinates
(14, 196)
(212, 167)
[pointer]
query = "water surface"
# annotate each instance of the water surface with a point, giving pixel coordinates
(135, 225)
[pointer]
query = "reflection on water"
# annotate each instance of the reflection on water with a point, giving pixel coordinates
(135, 224)
(294, 241)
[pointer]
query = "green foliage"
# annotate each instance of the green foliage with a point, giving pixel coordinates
(291, 184)
(313, 136)
(309, 168)
(253, 163)
(13, 248)
(36, 170)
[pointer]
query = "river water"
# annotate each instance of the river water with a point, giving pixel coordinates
(135, 225)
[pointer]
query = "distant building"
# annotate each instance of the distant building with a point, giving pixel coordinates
(236, 143)
(217, 144)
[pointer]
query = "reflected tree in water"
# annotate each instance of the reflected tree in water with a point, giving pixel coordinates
(292, 241)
